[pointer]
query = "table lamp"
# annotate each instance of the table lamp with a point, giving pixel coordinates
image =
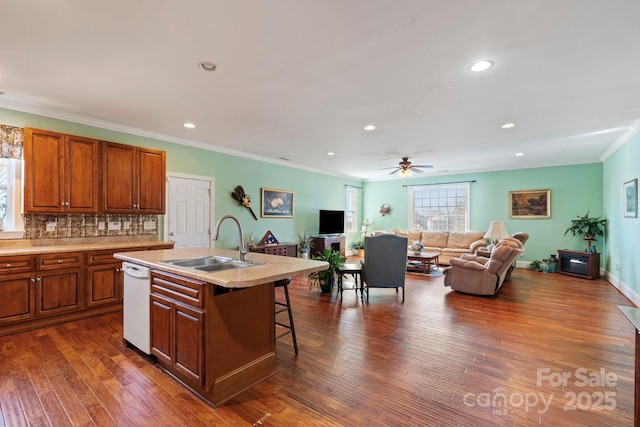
(496, 231)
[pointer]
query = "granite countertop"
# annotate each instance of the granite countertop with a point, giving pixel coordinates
(274, 268)
(35, 249)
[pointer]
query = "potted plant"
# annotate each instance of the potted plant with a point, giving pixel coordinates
(304, 245)
(359, 246)
(324, 279)
(587, 227)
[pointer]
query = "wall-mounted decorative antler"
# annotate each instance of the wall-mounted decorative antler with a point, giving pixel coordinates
(243, 199)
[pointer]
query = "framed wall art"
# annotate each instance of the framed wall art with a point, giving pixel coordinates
(530, 204)
(631, 199)
(276, 203)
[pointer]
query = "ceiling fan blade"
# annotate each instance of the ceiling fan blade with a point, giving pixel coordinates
(416, 170)
(395, 171)
(422, 166)
(393, 167)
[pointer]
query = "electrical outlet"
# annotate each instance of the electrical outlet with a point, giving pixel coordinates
(114, 226)
(126, 225)
(617, 267)
(149, 225)
(51, 226)
(101, 225)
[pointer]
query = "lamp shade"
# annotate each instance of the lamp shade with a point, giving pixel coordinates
(496, 231)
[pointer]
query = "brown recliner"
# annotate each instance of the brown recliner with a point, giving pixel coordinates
(476, 275)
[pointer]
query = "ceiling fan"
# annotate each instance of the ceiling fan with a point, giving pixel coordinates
(406, 168)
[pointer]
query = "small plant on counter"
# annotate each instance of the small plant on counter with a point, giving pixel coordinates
(304, 243)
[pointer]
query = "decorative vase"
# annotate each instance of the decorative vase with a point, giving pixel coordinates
(304, 254)
(360, 253)
(418, 252)
(552, 263)
(326, 286)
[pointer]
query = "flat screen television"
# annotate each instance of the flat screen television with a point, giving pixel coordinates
(331, 222)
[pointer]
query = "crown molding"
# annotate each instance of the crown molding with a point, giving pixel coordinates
(629, 133)
(31, 108)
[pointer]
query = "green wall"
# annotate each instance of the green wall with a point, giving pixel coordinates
(624, 233)
(312, 191)
(574, 190)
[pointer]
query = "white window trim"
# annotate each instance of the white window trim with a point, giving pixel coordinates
(412, 200)
(17, 230)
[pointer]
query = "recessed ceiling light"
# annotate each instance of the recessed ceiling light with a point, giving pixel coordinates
(369, 127)
(207, 66)
(481, 66)
(331, 153)
(189, 125)
(519, 154)
(508, 125)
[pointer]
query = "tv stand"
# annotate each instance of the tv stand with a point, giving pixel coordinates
(334, 242)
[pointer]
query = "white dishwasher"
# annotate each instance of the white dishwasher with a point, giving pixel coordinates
(136, 316)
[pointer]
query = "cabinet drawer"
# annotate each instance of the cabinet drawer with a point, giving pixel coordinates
(59, 260)
(17, 264)
(101, 257)
(178, 288)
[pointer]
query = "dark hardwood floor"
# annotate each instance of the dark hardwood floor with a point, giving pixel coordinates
(441, 358)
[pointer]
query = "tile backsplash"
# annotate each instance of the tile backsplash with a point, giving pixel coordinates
(89, 225)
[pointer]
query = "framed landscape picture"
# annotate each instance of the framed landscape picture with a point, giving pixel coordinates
(631, 199)
(276, 203)
(530, 204)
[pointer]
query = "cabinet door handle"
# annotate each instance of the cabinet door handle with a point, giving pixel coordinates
(33, 280)
(9, 265)
(60, 261)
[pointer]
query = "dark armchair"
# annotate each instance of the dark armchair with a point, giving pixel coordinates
(385, 262)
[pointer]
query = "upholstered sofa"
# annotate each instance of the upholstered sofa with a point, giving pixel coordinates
(448, 244)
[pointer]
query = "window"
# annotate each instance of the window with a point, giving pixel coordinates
(440, 207)
(351, 210)
(10, 192)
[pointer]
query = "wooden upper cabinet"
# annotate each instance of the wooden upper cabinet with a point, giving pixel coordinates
(133, 179)
(61, 173)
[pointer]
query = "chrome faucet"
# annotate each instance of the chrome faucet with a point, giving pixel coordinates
(241, 247)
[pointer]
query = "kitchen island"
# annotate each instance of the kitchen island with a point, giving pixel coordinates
(214, 331)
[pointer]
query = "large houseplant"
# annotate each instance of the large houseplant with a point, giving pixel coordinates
(588, 228)
(324, 279)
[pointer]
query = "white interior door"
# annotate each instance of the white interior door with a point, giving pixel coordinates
(189, 207)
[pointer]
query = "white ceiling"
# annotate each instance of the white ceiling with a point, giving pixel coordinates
(298, 78)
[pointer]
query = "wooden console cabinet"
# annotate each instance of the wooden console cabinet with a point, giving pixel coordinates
(579, 264)
(320, 243)
(286, 249)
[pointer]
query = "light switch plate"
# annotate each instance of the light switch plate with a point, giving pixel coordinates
(149, 225)
(51, 226)
(114, 226)
(101, 225)
(126, 225)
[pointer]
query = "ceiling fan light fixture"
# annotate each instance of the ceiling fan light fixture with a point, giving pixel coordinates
(405, 173)
(481, 66)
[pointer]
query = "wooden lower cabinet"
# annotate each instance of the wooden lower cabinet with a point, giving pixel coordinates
(49, 288)
(177, 328)
(58, 291)
(104, 284)
(216, 341)
(18, 297)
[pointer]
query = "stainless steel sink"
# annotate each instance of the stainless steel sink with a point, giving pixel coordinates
(212, 263)
(226, 265)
